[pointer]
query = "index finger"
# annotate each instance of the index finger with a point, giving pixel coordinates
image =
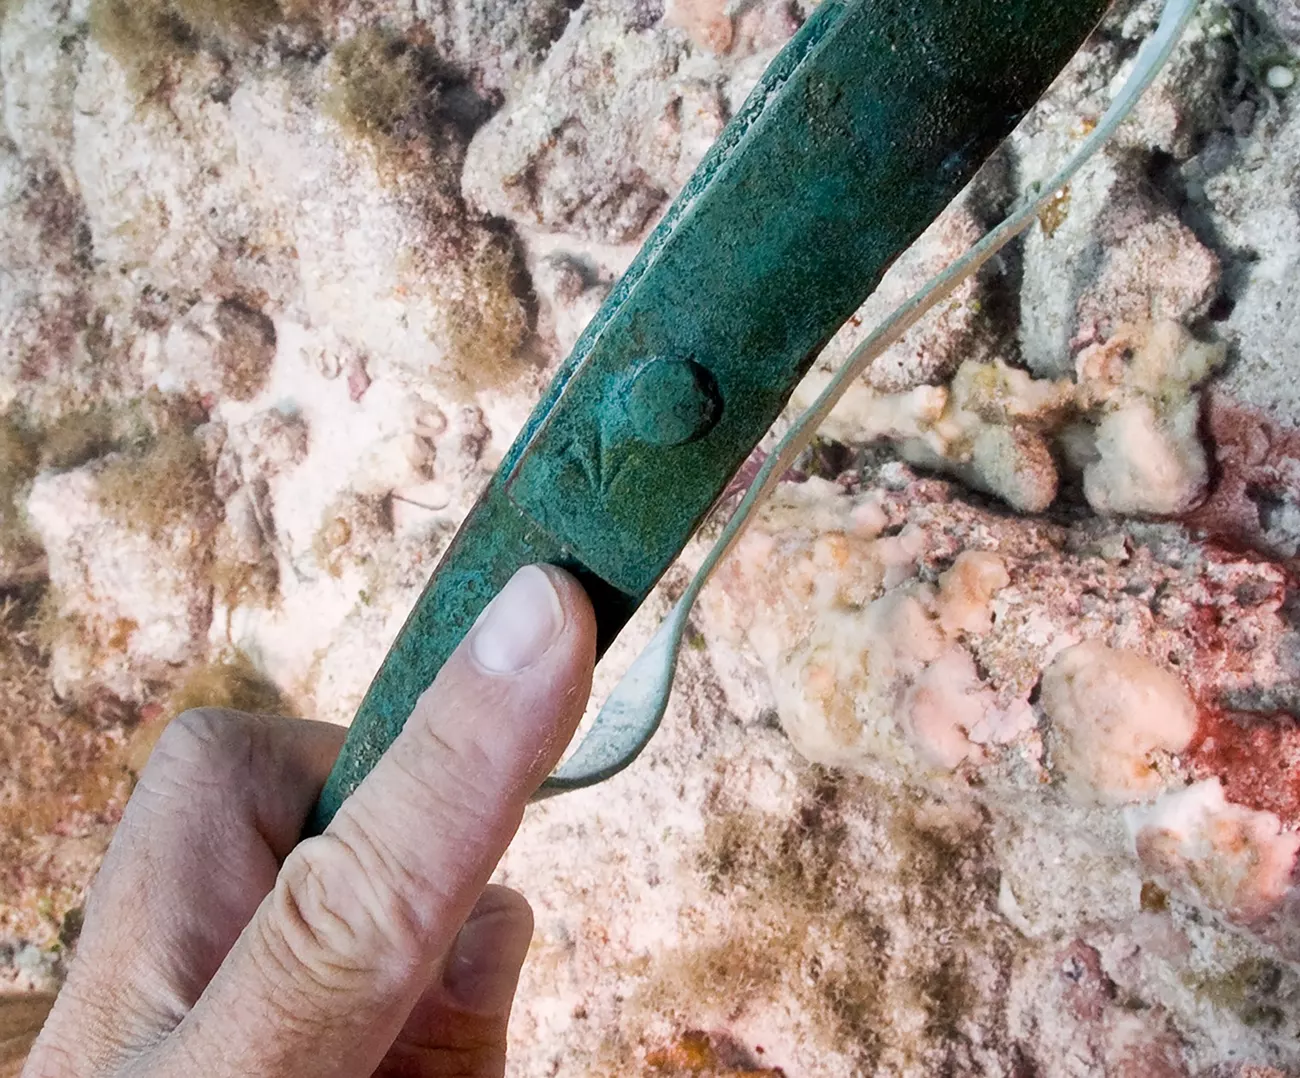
(324, 976)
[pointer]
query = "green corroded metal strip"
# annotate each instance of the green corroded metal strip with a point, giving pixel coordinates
(631, 714)
(869, 122)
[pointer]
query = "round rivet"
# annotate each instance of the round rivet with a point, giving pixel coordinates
(672, 401)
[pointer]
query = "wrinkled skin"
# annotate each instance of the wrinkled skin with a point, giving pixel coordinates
(216, 944)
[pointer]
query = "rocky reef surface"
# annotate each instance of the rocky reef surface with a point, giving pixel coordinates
(985, 755)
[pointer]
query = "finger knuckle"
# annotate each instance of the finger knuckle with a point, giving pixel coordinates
(340, 917)
(199, 750)
(197, 738)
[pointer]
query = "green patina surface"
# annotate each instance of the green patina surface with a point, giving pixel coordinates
(869, 122)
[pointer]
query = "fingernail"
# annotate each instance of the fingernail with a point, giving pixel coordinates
(482, 971)
(519, 625)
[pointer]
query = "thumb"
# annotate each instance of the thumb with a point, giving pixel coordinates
(324, 978)
(459, 1026)
(482, 970)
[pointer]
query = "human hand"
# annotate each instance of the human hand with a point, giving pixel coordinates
(214, 946)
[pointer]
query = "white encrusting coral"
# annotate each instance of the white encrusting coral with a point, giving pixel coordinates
(1234, 859)
(879, 673)
(1130, 424)
(1113, 715)
(987, 427)
(904, 639)
(991, 433)
(1138, 389)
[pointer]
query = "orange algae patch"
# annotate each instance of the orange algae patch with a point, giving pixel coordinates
(696, 1052)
